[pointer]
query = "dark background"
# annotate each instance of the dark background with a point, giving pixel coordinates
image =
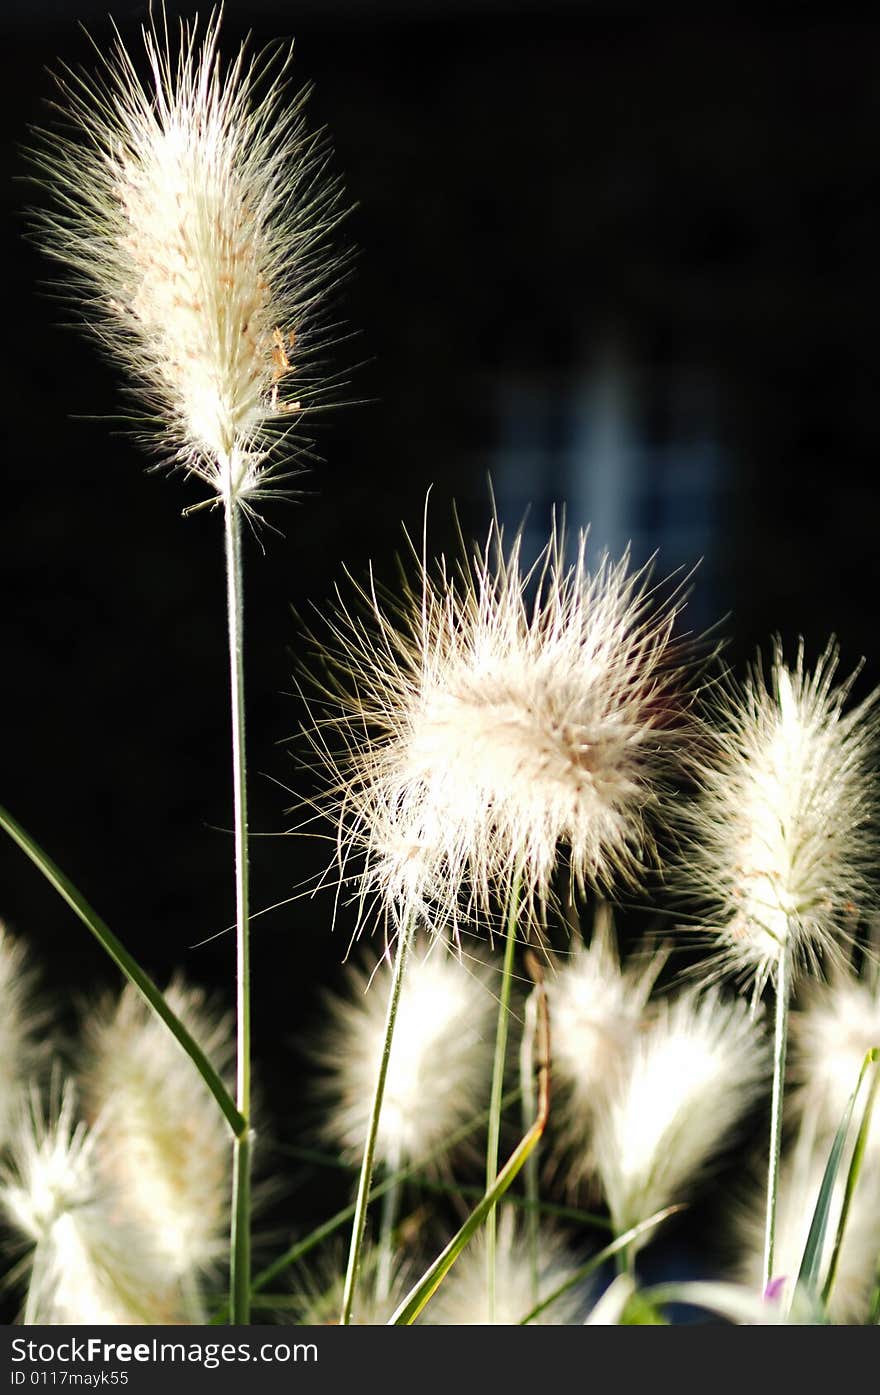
(623, 262)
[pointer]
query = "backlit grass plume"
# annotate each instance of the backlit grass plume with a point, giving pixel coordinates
(193, 206)
(493, 718)
(784, 835)
(163, 1144)
(20, 1021)
(833, 1028)
(87, 1262)
(598, 1012)
(441, 1056)
(689, 1080)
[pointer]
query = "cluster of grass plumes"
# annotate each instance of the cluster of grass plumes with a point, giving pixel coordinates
(499, 743)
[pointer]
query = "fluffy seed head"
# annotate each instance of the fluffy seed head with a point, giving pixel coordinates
(440, 1060)
(690, 1079)
(163, 1143)
(598, 1012)
(783, 837)
(19, 1022)
(485, 730)
(461, 1300)
(833, 1028)
(192, 206)
(89, 1263)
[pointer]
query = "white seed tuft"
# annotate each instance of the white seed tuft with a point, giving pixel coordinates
(833, 1028)
(800, 1180)
(598, 1011)
(163, 1143)
(440, 1062)
(485, 731)
(20, 1022)
(193, 206)
(691, 1078)
(89, 1262)
(783, 837)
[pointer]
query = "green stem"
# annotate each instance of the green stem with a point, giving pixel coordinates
(366, 1174)
(494, 1133)
(780, 1042)
(124, 961)
(240, 1244)
(530, 1169)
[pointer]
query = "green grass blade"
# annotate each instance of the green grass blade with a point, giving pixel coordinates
(129, 967)
(430, 1281)
(808, 1275)
(855, 1167)
(598, 1259)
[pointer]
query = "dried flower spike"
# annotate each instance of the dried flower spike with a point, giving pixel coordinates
(193, 208)
(783, 839)
(485, 730)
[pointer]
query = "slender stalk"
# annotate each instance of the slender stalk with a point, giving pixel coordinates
(494, 1132)
(530, 1168)
(780, 1042)
(240, 1244)
(366, 1175)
